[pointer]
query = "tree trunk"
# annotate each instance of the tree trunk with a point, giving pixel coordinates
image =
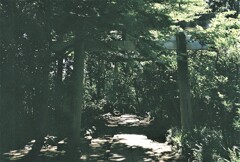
(1, 102)
(183, 83)
(58, 103)
(41, 126)
(78, 76)
(8, 83)
(98, 80)
(103, 72)
(115, 83)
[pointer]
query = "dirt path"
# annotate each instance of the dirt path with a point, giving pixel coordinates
(121, 138)
(123, 141)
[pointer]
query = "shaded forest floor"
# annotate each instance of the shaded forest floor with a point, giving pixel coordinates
(121, 138)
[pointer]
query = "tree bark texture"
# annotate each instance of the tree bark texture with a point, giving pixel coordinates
(78, 76)
(8, 82)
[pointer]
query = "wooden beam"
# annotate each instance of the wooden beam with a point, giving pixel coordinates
(110, 46)
(97, 46)
(129, 45)
(191, 44)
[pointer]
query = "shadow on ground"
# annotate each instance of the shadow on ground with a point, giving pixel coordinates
(123, 138)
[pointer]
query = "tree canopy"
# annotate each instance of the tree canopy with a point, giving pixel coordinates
(63, 63)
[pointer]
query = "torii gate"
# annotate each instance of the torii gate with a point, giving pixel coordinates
(180, 42)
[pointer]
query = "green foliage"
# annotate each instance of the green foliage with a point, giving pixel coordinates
(36, 67)
(236, 123)
(202, 144)
(223, 37)
(189, 10)
(234, 154)
(215, 76)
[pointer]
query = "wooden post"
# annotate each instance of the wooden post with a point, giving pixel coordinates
(183, 83)
(78, 88)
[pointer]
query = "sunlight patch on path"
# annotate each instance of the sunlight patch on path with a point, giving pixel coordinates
(98, 149)
(126, 120)
(134, 147)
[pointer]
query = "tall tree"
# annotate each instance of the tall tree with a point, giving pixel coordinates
(78, 89)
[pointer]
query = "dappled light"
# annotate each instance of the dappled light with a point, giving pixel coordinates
(127, 120)
(47, 151)
(127, 147)
(136, 146)
(119, 80)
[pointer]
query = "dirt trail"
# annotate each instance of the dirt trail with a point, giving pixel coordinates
(124, 140)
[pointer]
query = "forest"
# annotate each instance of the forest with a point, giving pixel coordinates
(119, 80)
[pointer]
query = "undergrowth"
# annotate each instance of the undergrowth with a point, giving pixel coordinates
(203, 145)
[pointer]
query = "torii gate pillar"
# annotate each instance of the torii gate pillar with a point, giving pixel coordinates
(183, 83)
